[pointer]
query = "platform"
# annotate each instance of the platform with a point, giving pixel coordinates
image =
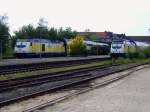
(131, 94)
(5, 62)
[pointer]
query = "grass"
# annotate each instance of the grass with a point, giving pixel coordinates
(55, 70)
(52, 70)
(134, 60)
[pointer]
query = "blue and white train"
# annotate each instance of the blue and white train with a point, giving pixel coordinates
(121, 48)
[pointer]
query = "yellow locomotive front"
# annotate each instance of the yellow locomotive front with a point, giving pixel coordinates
(39, 47)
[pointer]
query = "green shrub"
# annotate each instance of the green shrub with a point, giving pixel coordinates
(147, 52)
(77, 47)
(141, 55)
(122, 60)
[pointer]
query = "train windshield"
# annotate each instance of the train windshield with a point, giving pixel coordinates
(20, 45)
(116, 45)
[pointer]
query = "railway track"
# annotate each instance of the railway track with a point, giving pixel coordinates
(53, 101)
(10, 69)
(43, 78)
(69, 81)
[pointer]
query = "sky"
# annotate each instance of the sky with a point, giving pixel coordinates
(131, 17)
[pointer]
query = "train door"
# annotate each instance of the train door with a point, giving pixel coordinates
(43, 47)
(31, 47)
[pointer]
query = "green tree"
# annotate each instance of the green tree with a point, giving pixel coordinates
(91, 37)
(77, 47)
(53, 34)
(66, 33)
(4, 33)
(43, 31)
(38, 32)
(25, 32)
(33, 32)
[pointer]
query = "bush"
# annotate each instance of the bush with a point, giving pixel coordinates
(122, 60)
(147, 52)
(77, 47)
(141, 55)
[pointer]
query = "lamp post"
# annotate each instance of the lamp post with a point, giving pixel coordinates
(40, 43)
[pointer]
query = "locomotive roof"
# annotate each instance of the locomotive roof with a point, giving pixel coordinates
(95, 43)
(145, 39)
(37, 40)
(138, 43)
(143, 44)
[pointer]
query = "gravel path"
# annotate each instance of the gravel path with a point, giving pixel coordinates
(131, 94)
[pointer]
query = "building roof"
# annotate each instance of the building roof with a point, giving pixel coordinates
(97, 34)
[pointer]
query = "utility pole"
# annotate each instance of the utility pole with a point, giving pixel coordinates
(40, 43)
(42, 23)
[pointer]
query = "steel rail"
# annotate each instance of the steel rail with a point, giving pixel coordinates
(84, 90)
(43, 78)
(9, 69)
(70, 83)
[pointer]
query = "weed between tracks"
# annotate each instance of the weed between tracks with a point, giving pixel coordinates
(63, 69)
(52, 70)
